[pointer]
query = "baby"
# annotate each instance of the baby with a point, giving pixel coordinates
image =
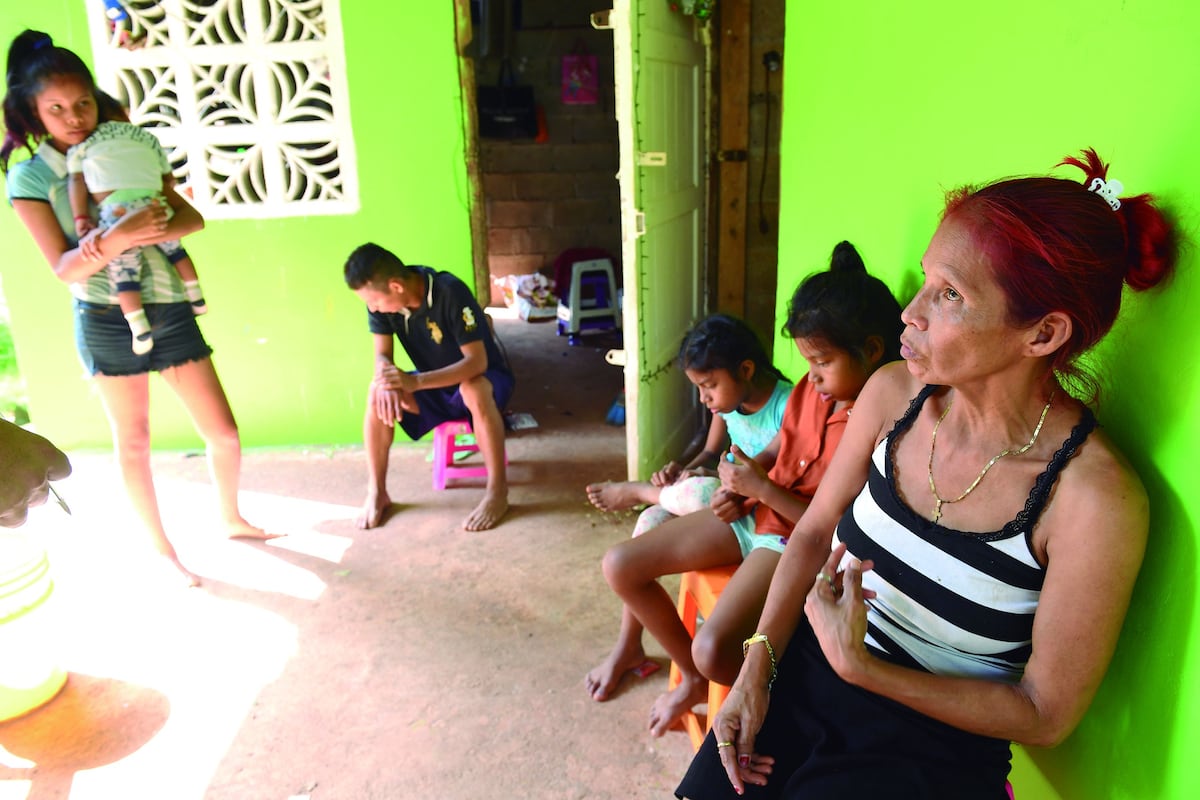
(122, 167)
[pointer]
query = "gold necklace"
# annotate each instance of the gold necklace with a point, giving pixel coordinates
(940, 501)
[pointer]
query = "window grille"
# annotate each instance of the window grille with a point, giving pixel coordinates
(248, 97)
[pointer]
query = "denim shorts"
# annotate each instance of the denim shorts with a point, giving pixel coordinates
(445, 404)
(105, 342)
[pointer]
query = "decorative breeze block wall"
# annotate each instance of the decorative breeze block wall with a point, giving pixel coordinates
(248, 97)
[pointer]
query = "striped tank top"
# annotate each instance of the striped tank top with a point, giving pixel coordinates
(949, 602)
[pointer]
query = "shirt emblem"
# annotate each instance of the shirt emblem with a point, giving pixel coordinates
(435, 332)
(468, 319)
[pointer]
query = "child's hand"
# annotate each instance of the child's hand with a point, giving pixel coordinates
(83, 226)
(741, 474)
(727, 506)
(667, 475)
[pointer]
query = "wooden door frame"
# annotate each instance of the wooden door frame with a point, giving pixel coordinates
(476, 202)
(732, 155)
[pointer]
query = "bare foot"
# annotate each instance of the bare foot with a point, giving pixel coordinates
(489, 512)
(669, 707)
(373, 510)
(604, 678)
(240, 529)
(609, 496)
(190, 579)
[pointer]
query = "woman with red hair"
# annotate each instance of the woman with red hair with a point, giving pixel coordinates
(960, 579)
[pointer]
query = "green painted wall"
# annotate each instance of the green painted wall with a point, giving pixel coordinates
(885, 105)
(291, 344)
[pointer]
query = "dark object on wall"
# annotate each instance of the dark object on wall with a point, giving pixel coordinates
(492, 24)
(506, 110)
(487, 29)
(773, 63)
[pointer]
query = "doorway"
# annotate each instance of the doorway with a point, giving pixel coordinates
(551, 188)
(536, 197)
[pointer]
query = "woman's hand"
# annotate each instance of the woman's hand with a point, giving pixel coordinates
(667, 475)
(89, 245)
(735, 726)
(837, 612)
(146, 226)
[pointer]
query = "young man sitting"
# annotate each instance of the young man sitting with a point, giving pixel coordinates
(459, 372)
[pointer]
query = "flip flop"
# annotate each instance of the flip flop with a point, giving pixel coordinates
(646, 668)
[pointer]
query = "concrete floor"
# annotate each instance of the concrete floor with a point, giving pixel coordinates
(411, 661)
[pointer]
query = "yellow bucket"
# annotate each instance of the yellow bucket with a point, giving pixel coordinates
(29, 671)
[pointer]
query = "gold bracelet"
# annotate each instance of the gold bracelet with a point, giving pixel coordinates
(755, 639)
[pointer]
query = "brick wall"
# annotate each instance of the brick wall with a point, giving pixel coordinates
(545, 197)
(542, 198)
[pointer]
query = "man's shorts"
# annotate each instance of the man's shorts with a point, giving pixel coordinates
(446, 404)
(105, 342)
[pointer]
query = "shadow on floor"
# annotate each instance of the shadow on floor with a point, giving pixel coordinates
(410, 661)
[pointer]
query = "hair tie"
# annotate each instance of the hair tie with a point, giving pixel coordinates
(40, 43)
(1108, 190)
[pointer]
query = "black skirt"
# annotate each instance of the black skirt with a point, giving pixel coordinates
(831, 740)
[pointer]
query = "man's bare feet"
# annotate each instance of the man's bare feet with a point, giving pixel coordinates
(240, 529)
(609, 496)
(669, 707)
(373, 510)
(605, 677)
(491, 510)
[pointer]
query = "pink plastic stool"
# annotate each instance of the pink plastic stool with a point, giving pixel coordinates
(446, 446)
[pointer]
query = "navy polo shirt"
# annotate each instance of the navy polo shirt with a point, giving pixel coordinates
(433, 335)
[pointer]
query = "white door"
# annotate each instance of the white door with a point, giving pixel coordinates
(660, 73)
